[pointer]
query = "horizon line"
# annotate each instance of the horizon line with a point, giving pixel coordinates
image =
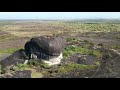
(68, 19)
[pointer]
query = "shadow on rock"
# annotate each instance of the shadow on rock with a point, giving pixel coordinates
(17, 57)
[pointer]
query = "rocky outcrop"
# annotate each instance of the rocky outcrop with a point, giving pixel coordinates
(45, 47)
(82, 59)
(14, 59)
(18, 74)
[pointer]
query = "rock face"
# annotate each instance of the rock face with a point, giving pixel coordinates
(18, 74)
(45, 47)
(110, 65)
(16, 58)
(82, 59)
(22, 74)
(4, 56)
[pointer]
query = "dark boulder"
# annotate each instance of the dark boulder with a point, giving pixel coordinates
(45, 46)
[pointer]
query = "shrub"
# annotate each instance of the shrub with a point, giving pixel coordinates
(69, 50)
(20, 67)
(72, 66)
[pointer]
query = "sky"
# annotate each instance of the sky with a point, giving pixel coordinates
(60, 15)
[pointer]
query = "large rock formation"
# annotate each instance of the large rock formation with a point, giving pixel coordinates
(45, 47)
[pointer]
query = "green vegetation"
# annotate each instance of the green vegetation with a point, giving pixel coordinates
(6, 22)
(9, 50)
(88, 27)
(3, 70)
(88, 44)
(100, 27)
(38, 63)
(31, 64)
(21, 67)
(62, 69)
(117, 37)
(7, 37)
(0, 67)
(36, 75)
(45, 65)
(69, 50)
(114, 46)
(57, 27)
(65, 68)
(102, 21)
(71, 39)
(72, 66)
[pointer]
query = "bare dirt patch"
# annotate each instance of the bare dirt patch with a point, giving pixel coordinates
(16, 43)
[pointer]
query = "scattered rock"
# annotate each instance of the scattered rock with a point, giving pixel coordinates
(22, 74)
(82, 59)
(18, 74)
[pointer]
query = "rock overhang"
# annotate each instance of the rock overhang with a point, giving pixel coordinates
(47, 48)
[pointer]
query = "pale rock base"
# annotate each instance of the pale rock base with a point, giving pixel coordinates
(54, 61)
